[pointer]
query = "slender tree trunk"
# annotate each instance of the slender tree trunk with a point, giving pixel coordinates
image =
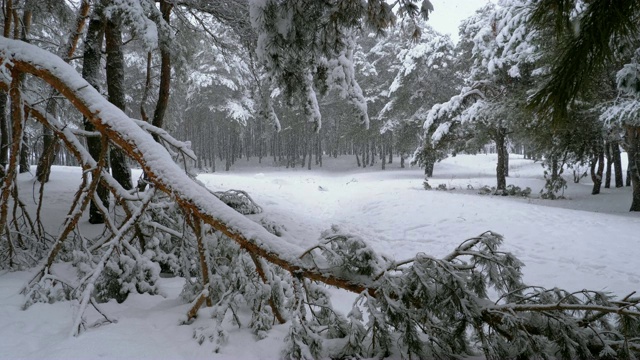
(165, 73)
(25, 28)
(596, 174)
(24, 154)
(632, 137)
(607, 154)
(49, 147)
(372, 149)
(310, 146)
(506, 160)
(617, 163)
(401, 161)
(90, 71)
(365, 154)
(500, 140)
(4, 126)
(116, 91)
(319, 150)
(4, 134)
(390, 148)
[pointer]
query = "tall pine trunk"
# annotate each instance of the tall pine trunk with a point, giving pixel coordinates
(25, 27)
(607, 154)
(501, 167)
(633, 150)
(617, 164)
(115, 89)
(90, 71)
(596, 173)
(4, 97)
(4, 134)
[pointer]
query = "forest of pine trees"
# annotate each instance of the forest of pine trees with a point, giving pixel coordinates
(180, 87)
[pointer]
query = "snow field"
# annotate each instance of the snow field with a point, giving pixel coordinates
(584, 242)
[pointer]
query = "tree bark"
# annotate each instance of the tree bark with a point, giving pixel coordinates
(4, 134)
(25, 28)
(607, 154)
(115, 89)
(165, 73)
(617, 163)
(632, 137)
(500, 140)
(4, 126)
(49, 148)
(90, 71)
(596, 174)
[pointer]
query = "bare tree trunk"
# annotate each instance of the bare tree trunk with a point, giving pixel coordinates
(632, 137)
(43, 170)
(310, 146)
(24, 26)
(90, 71)
(4, 126)
(4, 134)
(319, 150)
(165, 73)
(390, 148)
(500, 140)
(115, 89)
(372, 150)
(617, 163)
(506, 161)
(607, 154)
(596, 174)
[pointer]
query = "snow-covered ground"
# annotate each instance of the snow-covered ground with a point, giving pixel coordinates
(583, 242)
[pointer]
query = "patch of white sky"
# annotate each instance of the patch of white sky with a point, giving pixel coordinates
(447, 15)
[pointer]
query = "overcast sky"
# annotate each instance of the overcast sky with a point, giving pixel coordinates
(447, 14)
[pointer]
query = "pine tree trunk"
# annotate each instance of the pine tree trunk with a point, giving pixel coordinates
(165, 73)
(506, 161)
(49, 147)
(4, 134)
(48, 155)
(596, 174)
(617, 163)
(4, 97)
(402, 161)
(91, 71)
(24, 154)
(607, 154)
(25, 27)
(365, 155)
(319, 150)
(116, 92)
(373, 153)
(309, 149)
(500, 140)
(632, 138)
